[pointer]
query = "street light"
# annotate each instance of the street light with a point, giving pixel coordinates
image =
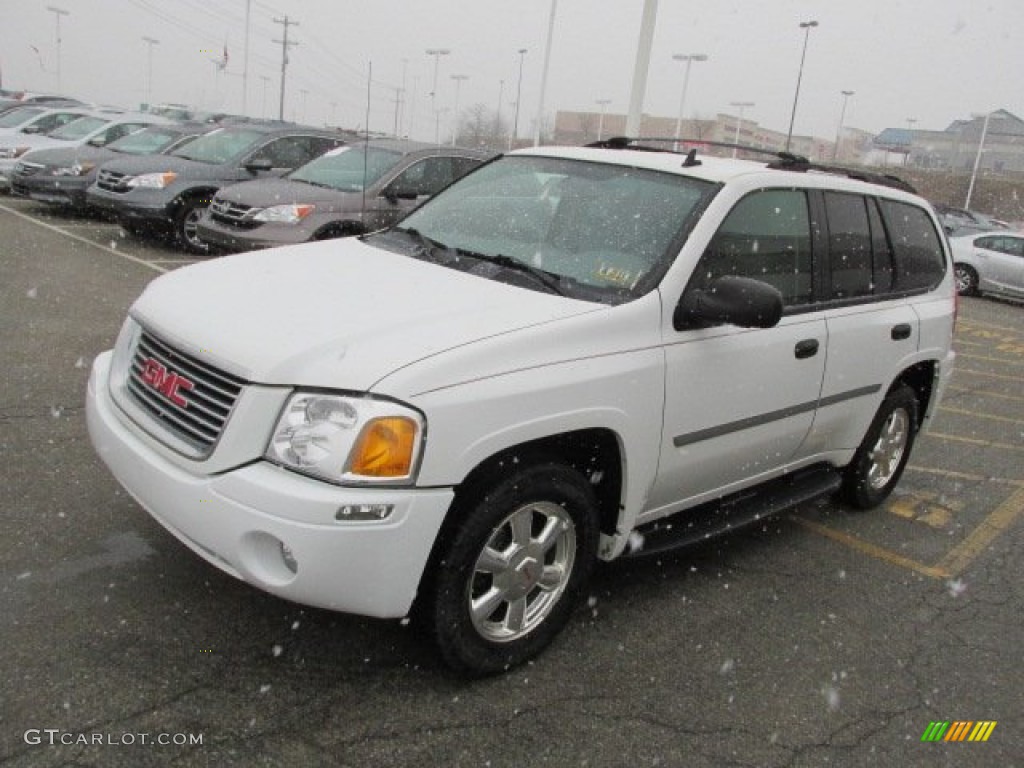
(437, 53)
(600, 123)
(455, 120)
(839, 130)
(58, 12)
(689, 58)
(150, 42)
(806, 26)
(544, 74)
(739, 121)
(977, 160)
(519, 95)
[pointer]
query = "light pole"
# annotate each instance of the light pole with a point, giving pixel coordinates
(806, 26)
(455, 119)
(600, 123)
(437, 53)
(977, 160)
(58, 12)
(839, 130)
(544, 75)
(150, 42)
(519, 95)
(739, 121)
(689, 58)
(634, 117)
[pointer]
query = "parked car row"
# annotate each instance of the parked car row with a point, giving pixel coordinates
(221, 185)
(989, 262)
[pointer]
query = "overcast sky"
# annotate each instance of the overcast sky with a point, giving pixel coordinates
(932, 61)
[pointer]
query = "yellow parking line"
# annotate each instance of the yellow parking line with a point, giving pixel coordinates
(985, 393)
(879, 553)
(959, 371)
(980, 324)
(975, 441)
(990, 416)
(1001, 360)
(965, 476)
(958, 558)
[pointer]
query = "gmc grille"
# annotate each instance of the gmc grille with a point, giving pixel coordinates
(196, 414)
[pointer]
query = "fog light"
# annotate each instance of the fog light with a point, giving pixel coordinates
(289, 559)
(362, 512)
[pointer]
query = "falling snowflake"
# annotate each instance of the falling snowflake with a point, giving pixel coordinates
(727, 666)
(264, 688)
(277, 650)
(956, 587)
(831, 694)
(32, 293)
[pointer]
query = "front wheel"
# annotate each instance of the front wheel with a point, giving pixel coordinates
(513, 570)
(884, 452)
(186, 227)
(966, 279)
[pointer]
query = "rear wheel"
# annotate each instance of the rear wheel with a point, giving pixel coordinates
(514, 569)
(884, 452)
(186, 226)
(966, 279)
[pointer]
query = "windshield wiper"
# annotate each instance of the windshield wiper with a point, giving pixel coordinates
(428, 245)
(549, 280)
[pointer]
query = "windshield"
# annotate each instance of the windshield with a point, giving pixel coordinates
(79, 129)
(18, 116)
(347, 168)
(605, 228)
(145, 142)
(219, 146)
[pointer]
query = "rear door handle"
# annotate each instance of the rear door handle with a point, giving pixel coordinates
(806, 348)
(901, 331)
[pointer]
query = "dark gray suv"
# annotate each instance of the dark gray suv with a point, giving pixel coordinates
(350, 190)
(170, 192)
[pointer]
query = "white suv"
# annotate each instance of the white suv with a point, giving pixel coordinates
(570, 355)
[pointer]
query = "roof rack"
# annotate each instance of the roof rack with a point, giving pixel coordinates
(786, 161)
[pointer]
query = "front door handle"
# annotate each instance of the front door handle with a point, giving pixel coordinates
(901, 331)
(806, 348)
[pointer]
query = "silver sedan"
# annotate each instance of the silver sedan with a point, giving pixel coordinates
(989, 262)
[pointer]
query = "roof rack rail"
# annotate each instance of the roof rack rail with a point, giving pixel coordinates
(783, 160)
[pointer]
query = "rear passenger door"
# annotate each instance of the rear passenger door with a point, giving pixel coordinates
(879, 254)
(739, 402)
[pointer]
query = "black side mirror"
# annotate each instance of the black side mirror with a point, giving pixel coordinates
(740, 301)
(259, 164)
(395, 193)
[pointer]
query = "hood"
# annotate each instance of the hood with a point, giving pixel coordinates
(65, 156)
(263, 193)
(186, 169)
(337, 313)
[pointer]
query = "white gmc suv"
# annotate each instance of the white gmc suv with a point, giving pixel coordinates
(570, 355)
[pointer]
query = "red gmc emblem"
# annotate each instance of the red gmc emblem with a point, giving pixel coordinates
(167, 383)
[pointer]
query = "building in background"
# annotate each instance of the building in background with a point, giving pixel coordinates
(956, 147)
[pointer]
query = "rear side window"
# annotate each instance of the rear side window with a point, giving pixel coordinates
(849, 245)
(767, 236)
(916, 246)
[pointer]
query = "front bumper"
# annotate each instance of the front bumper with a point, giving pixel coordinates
(56, 190)
(272, 528)
(267, 235)
(138, 206)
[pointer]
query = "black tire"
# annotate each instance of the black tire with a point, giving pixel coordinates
(527, 544)
(966, 279)
(185, 226)
(883, 454)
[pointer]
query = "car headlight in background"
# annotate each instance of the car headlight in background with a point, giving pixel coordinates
(284, 214)
(152, 180)
(350, 440)
(78, 169)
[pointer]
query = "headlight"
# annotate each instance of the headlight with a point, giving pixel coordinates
(152, 180)
(78, 169)
(341, 439)
(284, 214)
(12, 152)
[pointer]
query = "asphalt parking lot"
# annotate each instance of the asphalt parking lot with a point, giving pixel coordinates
(824, 638)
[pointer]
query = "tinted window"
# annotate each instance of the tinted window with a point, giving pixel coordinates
(1010, 245)
(884, 264)
(916, 245)
(767, 236)
(292, 151)
(849, 245)
(425, 177)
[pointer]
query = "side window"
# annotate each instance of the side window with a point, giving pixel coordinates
(849, 245)
(988, 243)
(464, 165)
(288, 152)
(767, 236)
(425, 177)
(916, 245)
(883, 262)
(116, 132)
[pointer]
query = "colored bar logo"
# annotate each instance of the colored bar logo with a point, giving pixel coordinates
(959, 730)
